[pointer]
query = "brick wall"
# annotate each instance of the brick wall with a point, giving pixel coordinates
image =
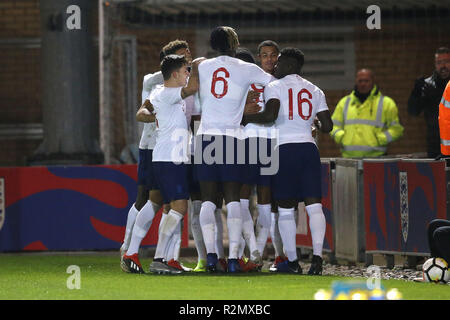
(397, 54)
(20, 99)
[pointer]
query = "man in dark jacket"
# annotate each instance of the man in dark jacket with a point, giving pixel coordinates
(427, 94)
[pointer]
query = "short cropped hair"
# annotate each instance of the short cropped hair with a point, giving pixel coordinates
(224, 39)
(245, 55)
(161, 56)
(442, 50)
(174, 46)
(268, 43)
(294, 53)
(171, 63)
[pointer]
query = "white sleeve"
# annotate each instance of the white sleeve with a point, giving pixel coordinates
(259, 76)
(149, 82)
(197, 110)
(322, 101)
(271, 91)
(173, 95)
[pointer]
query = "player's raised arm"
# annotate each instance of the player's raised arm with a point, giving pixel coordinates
(145, 112)
(193, 83)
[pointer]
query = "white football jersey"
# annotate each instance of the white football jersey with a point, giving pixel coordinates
(148, 137)
(172, 134)
(300, 101)
(224, 82)
(263, 130)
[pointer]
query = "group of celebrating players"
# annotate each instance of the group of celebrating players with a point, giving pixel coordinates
(255, 130)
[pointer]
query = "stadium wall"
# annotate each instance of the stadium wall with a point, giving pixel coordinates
(398, 53)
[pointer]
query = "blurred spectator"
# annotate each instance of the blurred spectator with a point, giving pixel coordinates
(427, 94)
(365, 121)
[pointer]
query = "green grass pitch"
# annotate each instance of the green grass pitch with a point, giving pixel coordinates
(42, 277)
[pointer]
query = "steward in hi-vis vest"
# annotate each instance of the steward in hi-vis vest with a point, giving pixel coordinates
(365, 121)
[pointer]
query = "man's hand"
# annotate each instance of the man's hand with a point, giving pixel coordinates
(252, 108)
(146, 112)
(251, 103)
(419, 85)
(252, 96)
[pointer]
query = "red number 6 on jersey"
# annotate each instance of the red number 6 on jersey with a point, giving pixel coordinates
(300, 101)
(215, 79)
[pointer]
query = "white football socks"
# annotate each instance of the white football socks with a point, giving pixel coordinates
(317, 225)
(167, 229)
(262, 226)
(288, 230)
(248, 229)
(131, 218)
(143, 222)
(241, 246)
(234, 224)
(197, 229)
(219, 233)
(173, 247)
(275, 235)
(208, 225)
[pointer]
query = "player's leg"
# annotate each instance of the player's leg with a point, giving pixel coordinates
(264, 217)
(172, 255)
(222, 262)
(208, 178)
(197, 232)
(311, 184)
(248, 231)
(432, 227)
(290, 162)
(248, 234)
(234, 223)
(208, 222)
(169, 226)
(276, 237)
(441, 238)
(142, 193)
(194, 216)
(172, 180)
(287, 226)
(250, 175)
(147, 210)
(144, 165)
(141, 226)
(263, 191)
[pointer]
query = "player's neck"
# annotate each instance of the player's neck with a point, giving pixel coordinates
(171, 83)
(228, 53)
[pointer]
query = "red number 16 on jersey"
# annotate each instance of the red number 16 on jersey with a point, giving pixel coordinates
(300, 101)
(216, 79)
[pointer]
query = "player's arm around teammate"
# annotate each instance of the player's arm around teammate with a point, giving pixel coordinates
(145, 113)
(299, 159)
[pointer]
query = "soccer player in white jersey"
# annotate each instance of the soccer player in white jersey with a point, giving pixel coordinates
(259, 144)
(224, 81)
(295, 102)
(171, 153)
(149, 199)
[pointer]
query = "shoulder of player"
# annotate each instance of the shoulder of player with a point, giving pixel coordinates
(152, 79)
(157, 92)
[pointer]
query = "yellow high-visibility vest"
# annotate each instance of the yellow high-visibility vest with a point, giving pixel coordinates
(364, 129)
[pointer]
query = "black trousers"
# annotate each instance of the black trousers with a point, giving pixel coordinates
(439, 239)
